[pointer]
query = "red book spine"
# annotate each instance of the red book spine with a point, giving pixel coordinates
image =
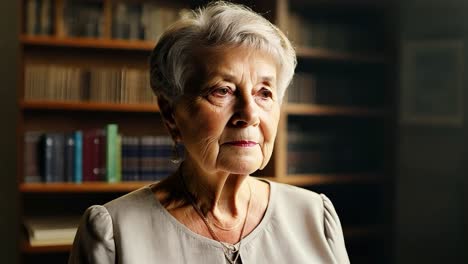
(96, 155)
(102, 160)
(87, 155)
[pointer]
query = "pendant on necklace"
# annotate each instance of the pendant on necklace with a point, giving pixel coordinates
(232, 248)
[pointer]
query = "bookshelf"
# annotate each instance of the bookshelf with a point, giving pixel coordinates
(299, 180)
(32, 105)
(328, 110)
(67, 42)
(361, 70)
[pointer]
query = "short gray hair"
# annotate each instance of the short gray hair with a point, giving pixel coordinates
(218, 24)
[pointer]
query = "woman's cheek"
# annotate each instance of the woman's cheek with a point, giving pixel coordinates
(266, 155)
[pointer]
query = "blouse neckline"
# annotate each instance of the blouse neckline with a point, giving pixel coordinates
(246, 240)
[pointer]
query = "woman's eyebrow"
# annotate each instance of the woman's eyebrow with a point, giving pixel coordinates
(226, 76)
(232, 78)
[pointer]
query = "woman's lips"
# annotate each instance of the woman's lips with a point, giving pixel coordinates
(242, 143)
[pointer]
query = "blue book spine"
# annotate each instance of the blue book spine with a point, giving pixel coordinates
(78, 175)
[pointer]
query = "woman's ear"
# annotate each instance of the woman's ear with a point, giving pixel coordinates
(167, 112)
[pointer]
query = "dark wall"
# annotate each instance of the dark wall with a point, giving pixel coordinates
(8, 86)
(432, 160)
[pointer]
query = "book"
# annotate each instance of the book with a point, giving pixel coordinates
(119, 159)
(111, 152)
(31, 156)
(45, 18)
(51, 230)
(131, 158)
(52, 157)
(78, 162)
(31, 17)
(82, 19)
(69, 158)
(94, 160)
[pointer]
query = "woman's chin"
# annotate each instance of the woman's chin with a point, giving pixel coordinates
(243, 167)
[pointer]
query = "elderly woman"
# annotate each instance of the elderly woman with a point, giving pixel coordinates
(219, 76)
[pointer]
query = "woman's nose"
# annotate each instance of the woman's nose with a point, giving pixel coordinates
(246, 112)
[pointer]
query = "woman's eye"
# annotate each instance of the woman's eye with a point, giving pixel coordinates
(223, 91)
(265, 93)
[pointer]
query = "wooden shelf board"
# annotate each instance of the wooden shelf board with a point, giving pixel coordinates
(137, 45)
(298, 180)
(306, 109)
(320, 179)
(88, 106)
(27, 248)
(81, 187)
(331, 55)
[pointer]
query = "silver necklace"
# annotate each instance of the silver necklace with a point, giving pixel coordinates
(226, 248)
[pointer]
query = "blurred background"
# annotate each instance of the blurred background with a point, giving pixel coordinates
(374, 118)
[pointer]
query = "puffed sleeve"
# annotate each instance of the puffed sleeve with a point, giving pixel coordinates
(94, 240)
(334, 232)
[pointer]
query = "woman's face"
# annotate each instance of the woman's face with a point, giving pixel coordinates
(228, 117)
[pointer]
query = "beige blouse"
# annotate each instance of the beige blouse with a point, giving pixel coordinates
(299, 226)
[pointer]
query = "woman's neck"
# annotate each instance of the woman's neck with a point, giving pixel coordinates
(221, 196)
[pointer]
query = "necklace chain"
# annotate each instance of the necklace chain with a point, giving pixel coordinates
(226, 249)
(239, 222)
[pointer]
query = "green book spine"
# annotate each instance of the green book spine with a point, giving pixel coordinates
(119, 159)
(111, 153)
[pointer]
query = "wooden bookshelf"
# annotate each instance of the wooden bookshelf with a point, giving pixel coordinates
(323, 179)
(93, 43)
(326, 110)
(88, 106)
(137, 45)
(27, 248)
(340, 56)
(85, 187)
(93, 187)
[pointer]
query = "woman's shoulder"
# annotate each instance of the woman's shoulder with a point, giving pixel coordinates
(98, 221)
(302, 200)
(137, 202)
(312, 210)
(297, 195)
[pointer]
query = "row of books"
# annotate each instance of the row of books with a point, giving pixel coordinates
(82, 19)
(348, 90)
(144, 21)
(302, 89)
(38, 17)
(309, 88)
(95, 155)
(130, 20)
(147, 158)
(329, 34)
(97, 84)
(312, 151)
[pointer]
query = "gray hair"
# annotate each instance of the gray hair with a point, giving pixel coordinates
(218, 24)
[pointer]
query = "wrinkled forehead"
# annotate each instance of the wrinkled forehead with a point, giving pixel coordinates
(212, 61)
